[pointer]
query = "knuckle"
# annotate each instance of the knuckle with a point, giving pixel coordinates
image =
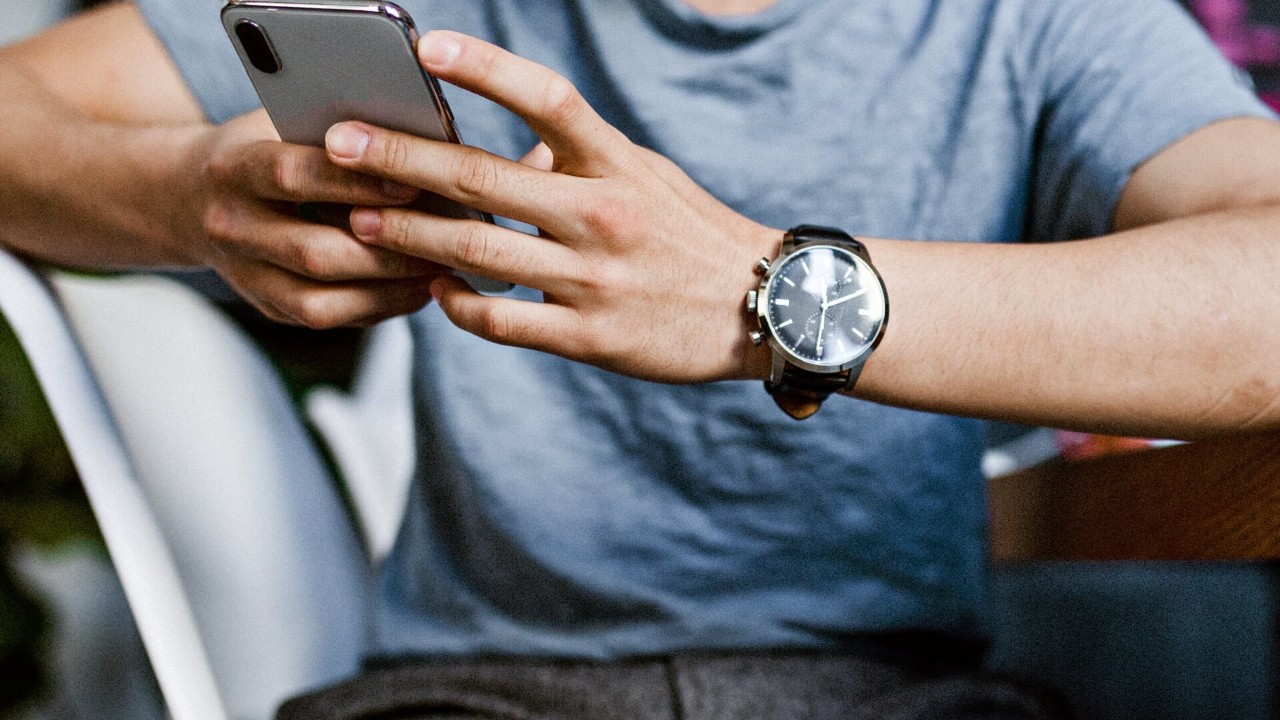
(475, 249)
(597, 277)
(218, 221)
(221, 166)
(395, 231)
(594, 335)
(313, 260)
(600, 277)
(561, 99)
(393, 152)
(315, 310)
(287, 174)
(608, 217)
(486, 63)
(496, 324)
(476, 175)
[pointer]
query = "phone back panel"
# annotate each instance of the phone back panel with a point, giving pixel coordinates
(346, 61)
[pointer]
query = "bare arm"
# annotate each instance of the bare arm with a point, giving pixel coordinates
(96, 125)
(1168, 328)
(106, 162)
(1171, 326)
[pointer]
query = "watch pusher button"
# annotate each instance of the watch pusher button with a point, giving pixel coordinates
(762, 267)
(753, 297)
(757, 337)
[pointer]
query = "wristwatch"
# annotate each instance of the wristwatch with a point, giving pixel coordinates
(822, 308)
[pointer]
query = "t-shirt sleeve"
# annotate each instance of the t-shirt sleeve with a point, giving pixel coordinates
(192, 32)
(1119, 81)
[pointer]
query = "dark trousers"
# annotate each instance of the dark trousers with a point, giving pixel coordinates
(725, 686)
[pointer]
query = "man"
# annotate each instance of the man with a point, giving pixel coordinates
(721, 559)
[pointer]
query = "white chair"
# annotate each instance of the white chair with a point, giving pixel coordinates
(243, 569)
(369, 432)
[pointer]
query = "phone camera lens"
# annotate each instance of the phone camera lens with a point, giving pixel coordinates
(257, 46)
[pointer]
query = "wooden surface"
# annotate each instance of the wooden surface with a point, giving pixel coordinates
(1212, 500)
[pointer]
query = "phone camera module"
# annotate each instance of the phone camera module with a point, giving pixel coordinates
(257, 46)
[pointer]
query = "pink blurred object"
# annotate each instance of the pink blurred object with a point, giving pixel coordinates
(1244, 43)
(1082, 446)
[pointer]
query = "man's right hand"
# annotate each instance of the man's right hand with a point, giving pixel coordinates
(238, 212)
(106, 169)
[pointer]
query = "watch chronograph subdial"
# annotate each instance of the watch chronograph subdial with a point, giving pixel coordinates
(816, 332)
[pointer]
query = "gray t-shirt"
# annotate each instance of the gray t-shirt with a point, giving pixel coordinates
(563, 510)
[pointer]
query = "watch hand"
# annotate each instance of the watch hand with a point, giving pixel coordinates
(845, 299)
(822, 324)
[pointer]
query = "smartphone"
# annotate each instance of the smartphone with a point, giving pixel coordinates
(321, 62)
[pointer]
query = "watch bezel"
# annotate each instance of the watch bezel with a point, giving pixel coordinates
(764, 293)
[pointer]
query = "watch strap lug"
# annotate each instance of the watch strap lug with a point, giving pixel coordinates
(776, 369)
(854, 372)
(820, 234)
(800, 393)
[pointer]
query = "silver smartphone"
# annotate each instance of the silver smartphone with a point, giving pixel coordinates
(321, 62)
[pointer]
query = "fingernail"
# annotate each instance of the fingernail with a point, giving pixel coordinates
(438, 49)
(346, 141)
(365, 222)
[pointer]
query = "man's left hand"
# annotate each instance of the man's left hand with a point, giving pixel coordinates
(642, 271)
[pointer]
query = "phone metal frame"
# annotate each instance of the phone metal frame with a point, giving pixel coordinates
(379, 7)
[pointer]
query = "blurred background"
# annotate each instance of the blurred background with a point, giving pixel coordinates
(63, 646)
(55, 579)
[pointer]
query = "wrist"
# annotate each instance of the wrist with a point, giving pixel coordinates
(182, 188)
(753, 361)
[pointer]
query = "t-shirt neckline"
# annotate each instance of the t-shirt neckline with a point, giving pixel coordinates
(684, 20)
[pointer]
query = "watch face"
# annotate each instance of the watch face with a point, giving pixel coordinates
(825, 305)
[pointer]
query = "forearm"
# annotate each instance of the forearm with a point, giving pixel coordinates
(1167, 330)
(84, 192)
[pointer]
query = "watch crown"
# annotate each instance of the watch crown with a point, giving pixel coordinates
(762, 267)
(753, 298)
(757, 337)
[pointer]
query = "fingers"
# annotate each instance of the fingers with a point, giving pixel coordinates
(295, 300)
(292, 270)
(469, 246)
(539, 158)
(537, 326)
(313, 251)
(544, 99)
(296, 173)
(469, 175)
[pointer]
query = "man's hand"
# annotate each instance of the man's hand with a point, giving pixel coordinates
(239, 215)
(642, 271)
(116, 170)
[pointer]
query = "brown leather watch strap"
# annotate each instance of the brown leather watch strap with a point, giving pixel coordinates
(800, 393)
